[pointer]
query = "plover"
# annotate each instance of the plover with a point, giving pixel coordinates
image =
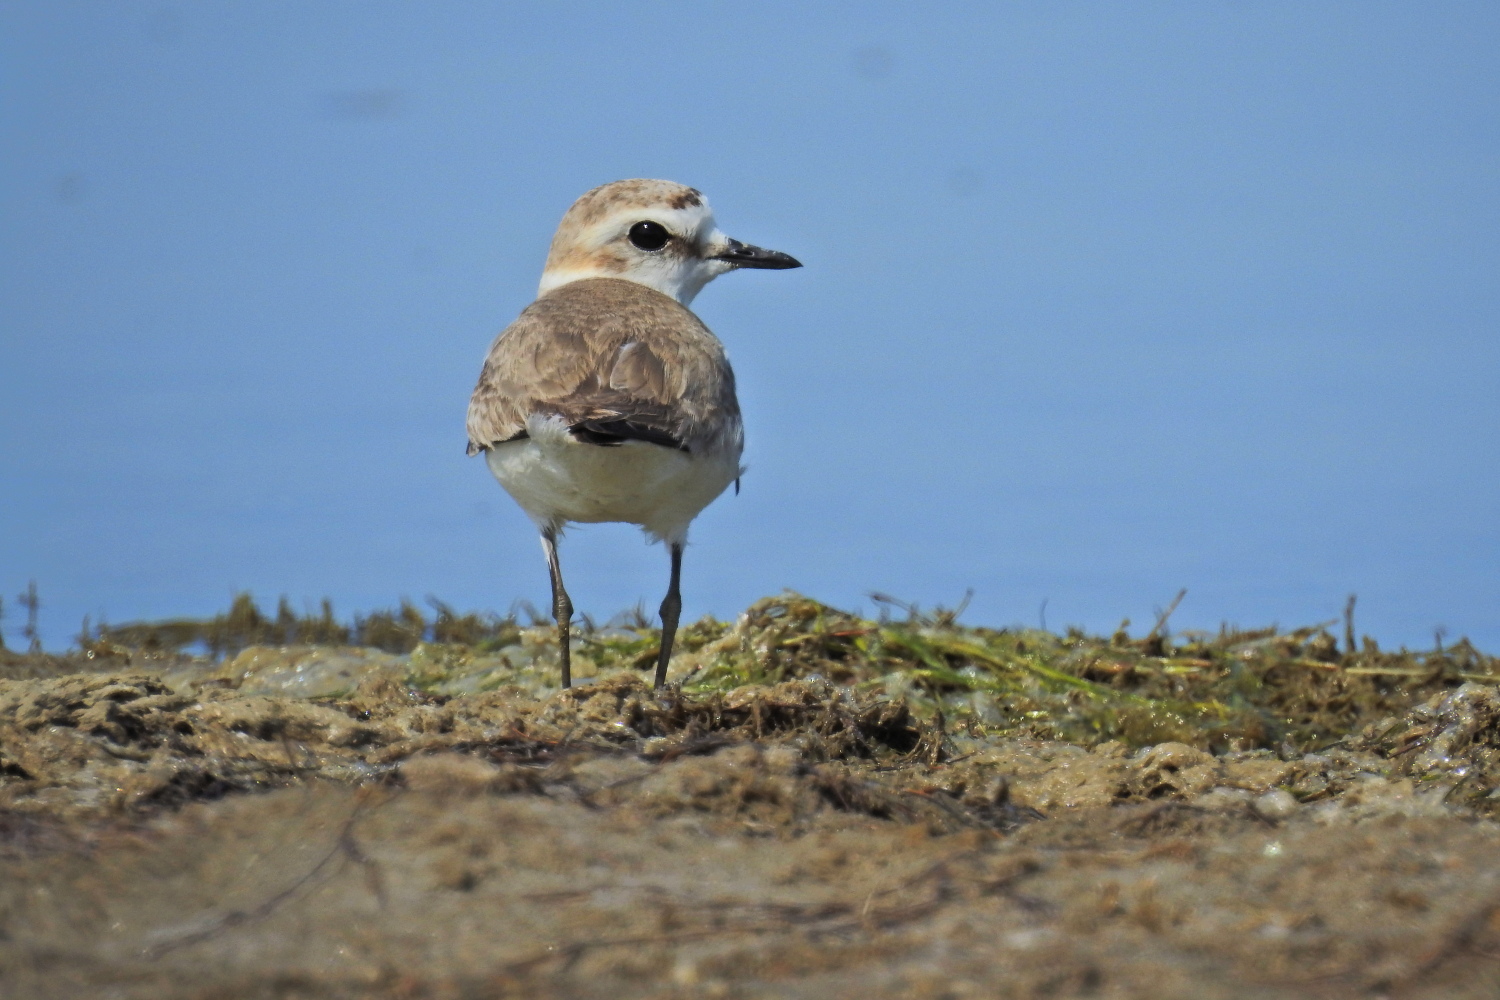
(607, 399)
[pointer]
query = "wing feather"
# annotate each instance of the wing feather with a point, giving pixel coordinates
(617, 361)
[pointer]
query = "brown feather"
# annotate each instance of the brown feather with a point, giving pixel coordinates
(611, 354)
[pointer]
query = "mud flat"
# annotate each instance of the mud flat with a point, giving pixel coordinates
(822, 806)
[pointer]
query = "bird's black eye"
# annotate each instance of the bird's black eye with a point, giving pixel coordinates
(649, 236)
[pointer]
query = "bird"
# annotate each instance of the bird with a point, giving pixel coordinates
(608, 399)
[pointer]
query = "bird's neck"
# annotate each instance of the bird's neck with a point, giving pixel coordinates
(682, 287)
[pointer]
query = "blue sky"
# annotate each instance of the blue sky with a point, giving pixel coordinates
(1098, 302)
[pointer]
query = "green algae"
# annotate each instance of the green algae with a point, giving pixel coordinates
(1233, 689)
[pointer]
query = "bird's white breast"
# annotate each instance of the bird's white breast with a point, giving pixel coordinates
(556, 478)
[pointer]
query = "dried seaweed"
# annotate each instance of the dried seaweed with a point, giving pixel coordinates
(1230, 689)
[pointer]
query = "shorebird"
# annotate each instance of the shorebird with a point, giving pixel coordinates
(608, 399)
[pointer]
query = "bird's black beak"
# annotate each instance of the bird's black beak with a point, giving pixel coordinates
(745, 255)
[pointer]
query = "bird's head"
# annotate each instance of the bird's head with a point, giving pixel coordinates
(656, 233)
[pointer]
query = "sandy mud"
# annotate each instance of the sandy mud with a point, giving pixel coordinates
(303, 820)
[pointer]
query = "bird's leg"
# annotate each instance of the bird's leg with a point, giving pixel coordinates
(562, 608)
(671, 608)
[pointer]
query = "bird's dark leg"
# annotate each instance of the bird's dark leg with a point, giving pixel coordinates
(671, 608)
(562, 608)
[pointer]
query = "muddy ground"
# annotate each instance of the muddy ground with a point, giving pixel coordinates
(436, 821)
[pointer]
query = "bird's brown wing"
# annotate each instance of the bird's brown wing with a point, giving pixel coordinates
(614, 360)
